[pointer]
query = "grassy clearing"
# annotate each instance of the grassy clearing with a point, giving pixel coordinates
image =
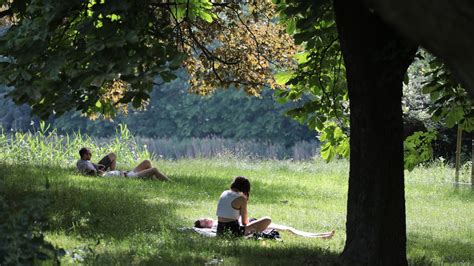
(121, 221)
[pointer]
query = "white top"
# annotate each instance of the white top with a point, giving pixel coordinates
(224, 207)
(85, 167)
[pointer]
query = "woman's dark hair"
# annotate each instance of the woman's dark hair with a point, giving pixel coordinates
(241, 184)
(197, 224)
(83, 151)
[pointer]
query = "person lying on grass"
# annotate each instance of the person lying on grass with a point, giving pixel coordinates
(106, 167)
(232, 205)
(212, 224)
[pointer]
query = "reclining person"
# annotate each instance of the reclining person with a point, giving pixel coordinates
(212, 224)
(106, 167)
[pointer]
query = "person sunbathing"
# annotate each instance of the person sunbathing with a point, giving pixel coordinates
(106, 167)
(212, 224)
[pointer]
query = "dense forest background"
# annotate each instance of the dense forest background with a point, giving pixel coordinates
(176, 121)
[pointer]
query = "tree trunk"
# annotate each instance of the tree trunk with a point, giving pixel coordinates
(472, 160)
(376, 59)
(458, 156)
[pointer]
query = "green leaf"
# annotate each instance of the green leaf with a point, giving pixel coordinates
(283, 77)
(206, 16)
(178, 12)
(417, 148)
(291, 26)
(343, 148)
(301, 58)
(167, 76)
(327, 152)
(454, 116)
(338, 133)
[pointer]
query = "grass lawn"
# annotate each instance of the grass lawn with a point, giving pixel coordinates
(123, 221)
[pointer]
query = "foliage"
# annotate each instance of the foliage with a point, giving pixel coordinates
(174, 113)
(335, 142)
(97, 56)
(227, 114)
(450, 102)
(320, 75)
(22, 240)
(415, 103)
(241, 48)
(318, 86)
(419, 108)
(59, 54)
(320, 72)
(46, 146)
(418, 149)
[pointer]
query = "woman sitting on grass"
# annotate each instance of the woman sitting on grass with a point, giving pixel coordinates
(232, 205)
(106, 167)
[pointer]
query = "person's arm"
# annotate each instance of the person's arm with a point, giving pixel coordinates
(243, 211)
(90, 169)
(99, 167)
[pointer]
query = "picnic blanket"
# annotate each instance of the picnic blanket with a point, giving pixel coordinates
(211, 232)
(207, 232)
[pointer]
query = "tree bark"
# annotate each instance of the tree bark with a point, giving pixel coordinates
(376, 59)
(472, 160)
(458, 155)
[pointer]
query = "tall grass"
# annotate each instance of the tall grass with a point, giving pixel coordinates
(46, 147)
(212, 147)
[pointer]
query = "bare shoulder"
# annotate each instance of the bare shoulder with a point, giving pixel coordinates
(239, 202)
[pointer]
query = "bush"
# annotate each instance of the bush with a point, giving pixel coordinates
(21, 239)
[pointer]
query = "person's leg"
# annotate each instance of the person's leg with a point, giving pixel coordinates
(230, 229)
(290, 229)
(152, 173)
(146, 164)
(109, 161)
(257, 225)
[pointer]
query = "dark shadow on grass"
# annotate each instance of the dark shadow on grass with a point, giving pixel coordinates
(198, 250)
(91, 210)
(448, 250)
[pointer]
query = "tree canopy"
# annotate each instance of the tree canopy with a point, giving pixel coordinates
(97, 56)
(321, 74)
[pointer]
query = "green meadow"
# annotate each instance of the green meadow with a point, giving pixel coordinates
(122, 221)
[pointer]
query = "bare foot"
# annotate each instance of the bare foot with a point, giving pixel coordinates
(329, 235)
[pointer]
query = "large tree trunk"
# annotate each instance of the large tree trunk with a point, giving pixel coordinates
(376, 59)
